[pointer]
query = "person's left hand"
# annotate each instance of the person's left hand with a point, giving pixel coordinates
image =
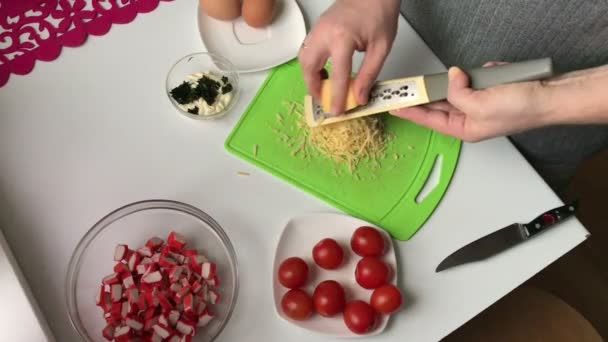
(474, 115)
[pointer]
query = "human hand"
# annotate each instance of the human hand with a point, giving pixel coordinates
(474, 115)
(349, 25)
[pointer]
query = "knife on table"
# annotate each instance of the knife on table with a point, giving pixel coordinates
(507, 237)
(412, 91)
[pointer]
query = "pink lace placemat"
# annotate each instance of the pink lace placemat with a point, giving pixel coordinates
(33, 30)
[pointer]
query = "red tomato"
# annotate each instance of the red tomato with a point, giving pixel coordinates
(371, 273)
(328, 298)
(296, 304)
(328, 254)
(386, 299)
(367, 241)
(359, 317)
(293, 272)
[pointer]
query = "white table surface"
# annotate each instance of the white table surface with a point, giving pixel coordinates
(20, 317)
(93, 130)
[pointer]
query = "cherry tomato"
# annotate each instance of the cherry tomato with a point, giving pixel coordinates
(367, 241)
(293, 272)
(359, 317)
(328, 254)
(296, 304)
(328, 298)
(371, 273)
(386, 299)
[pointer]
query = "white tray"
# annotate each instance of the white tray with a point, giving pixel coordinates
(298, 238)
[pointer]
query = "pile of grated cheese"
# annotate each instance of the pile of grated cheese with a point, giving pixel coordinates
(352, 141)
(346, 143)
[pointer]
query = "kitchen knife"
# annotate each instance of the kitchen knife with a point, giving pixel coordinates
(507, 237)
(413, 91)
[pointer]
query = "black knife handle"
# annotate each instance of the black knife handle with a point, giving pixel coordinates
(551, 218)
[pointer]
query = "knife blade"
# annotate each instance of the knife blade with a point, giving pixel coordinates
(507, 237)
(412, 91)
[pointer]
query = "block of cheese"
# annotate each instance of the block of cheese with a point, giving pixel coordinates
(351, 102)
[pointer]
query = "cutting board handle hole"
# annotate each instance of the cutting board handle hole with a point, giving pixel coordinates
(432, 181)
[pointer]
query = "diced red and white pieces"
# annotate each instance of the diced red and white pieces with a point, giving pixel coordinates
(120, 253)
(108, 332)
(111, 279)
(174, 338)
(162, 320)
(205, 318)
(179, 296)
(157, 292)
(121, 268)
(189, 303)
(145, 252)
(164, 302)
(134, 323)
(175, 287)
(214, 297)
(151, 268)
(134, 260)
(156, 338)
(142, 302)
(176, 241)
(197, 259)
(175, 274)
(162, 331)
(196, 287)
(150, 323)
(122, 334)
(154, 243)
(185, 328)
(140, 269)
(213, 281)
(207, 270)
(166, 261)
(173, 317)
(177, 257)
(128, 282)
(116, 293)
(152, 298)
(99, 298)
(154, 278)
(133, 295)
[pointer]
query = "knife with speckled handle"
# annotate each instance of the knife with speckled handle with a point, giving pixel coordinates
(507, 237)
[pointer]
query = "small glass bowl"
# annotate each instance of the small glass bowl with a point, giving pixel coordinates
(133, 225)
(197, 63)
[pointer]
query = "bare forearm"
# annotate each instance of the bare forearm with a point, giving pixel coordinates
(579, 97)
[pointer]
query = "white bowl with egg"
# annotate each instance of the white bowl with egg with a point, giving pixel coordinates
(203, 85)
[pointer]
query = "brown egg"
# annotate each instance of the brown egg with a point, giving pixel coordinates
(258, 13)
(221, 9)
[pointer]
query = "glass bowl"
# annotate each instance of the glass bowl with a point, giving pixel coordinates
(198, 63)
(133, 225)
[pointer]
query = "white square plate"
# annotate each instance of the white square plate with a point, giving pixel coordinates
(298, 238)
(251, 49)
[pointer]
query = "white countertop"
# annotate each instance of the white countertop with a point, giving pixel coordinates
(20, 316)
(94, 130)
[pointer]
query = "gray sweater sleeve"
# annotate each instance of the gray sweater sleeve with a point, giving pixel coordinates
(469, 33)
(574, 33)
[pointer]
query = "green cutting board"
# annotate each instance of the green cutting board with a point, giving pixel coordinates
(385, 196)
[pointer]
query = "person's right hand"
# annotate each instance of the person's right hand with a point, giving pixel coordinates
(349, 25)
